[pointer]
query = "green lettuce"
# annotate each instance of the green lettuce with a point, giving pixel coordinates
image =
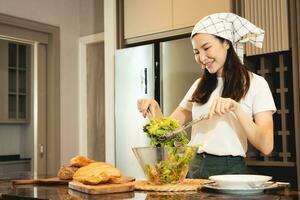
(157, 128)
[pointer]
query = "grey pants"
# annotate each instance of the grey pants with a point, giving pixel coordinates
(204, 165)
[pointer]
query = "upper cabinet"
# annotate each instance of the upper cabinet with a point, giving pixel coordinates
(188, 12)
(142, 17)
(15, 64)
(274, 21)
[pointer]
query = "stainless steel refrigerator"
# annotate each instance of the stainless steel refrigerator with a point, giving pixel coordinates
(163, 71)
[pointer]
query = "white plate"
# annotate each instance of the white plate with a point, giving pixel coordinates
(240, 181)
(252, 191)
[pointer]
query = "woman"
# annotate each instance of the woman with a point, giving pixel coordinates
(239, 102)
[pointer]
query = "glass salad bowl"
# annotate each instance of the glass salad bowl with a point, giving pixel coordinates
(165, 165)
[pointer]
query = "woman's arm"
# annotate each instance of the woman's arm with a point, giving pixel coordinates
(150, 108)
(182, 115)
(259, 131)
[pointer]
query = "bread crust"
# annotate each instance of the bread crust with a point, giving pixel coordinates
(80, 161)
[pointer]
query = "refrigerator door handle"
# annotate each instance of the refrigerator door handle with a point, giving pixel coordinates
(146, 80)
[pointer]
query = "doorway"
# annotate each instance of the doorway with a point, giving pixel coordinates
(43, 144)
(22, 118)
(92, 110)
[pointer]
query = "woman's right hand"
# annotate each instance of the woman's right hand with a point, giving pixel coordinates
(149, 108)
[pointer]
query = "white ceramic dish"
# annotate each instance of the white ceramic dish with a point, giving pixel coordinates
(240, 181)
(253, 191)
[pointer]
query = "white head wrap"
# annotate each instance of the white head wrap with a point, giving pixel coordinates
(233, 28)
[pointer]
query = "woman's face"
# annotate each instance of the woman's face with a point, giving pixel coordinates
(210, 52)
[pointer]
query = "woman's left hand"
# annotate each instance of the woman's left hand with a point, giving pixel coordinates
(222, 106)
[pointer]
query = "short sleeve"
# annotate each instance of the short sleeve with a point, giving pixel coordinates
(186, 103)
(263, 100)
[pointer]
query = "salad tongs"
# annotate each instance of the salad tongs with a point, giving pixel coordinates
(184, 127)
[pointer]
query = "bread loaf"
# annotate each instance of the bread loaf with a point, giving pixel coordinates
(95, 173)
(66, 172)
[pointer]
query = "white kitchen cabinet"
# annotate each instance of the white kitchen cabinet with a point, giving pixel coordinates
(143, 17)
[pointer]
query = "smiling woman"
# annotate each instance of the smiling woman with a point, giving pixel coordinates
(239, 103)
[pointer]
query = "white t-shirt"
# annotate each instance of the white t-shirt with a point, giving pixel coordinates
(224, 135)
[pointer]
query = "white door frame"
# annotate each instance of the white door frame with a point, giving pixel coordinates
(83, 42)
(110, 46)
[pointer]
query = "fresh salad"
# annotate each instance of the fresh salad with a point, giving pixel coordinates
(157, 128)
(174, 167)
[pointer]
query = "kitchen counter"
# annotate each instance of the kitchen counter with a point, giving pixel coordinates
(63, 193)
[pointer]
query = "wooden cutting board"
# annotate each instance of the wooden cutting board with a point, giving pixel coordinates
(74, 195)
(42, 181)
(126, 186)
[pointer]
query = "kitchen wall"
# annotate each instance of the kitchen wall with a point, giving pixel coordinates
(91, 17)
(75, 18)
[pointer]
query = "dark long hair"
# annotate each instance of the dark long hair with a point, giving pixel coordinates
(236, 79)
